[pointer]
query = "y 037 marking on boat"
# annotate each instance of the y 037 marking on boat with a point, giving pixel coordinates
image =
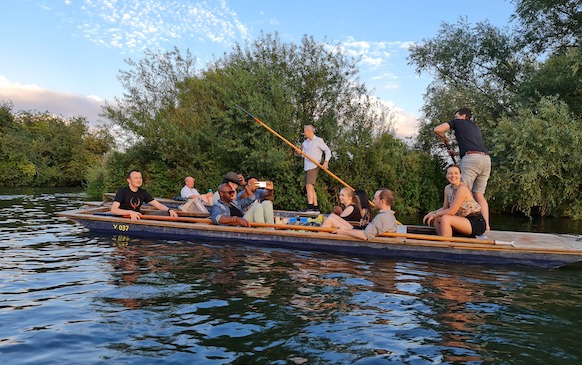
(121, 227)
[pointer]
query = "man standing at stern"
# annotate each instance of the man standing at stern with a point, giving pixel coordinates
(475, 160)
(314, 147)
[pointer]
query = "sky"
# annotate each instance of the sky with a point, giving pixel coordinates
(64, 56)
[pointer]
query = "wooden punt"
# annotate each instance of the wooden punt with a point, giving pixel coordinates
(499, 247)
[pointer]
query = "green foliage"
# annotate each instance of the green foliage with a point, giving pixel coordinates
(560, 75)
(198, 129)
(97, 182)
(521, 84)
(6, 116)
(480, 67)
(39, 149)
(481, 61)
(541, 166)
(554, 24)
(194, 127)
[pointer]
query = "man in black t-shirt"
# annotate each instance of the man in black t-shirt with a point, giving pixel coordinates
(475, 161)
(128, 200)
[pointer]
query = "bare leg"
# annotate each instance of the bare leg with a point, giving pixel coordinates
(437, 226)
(448, 223)
(311, 196)
(335, 221)
(480, 198)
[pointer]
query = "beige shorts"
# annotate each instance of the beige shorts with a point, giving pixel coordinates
(475, 172)
(311, 176)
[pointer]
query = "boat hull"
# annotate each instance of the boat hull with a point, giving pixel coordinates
(540, 254)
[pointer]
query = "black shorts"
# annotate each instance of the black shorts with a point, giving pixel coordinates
(478, 225)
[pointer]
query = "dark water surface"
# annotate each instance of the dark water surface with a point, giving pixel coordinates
(71, 297)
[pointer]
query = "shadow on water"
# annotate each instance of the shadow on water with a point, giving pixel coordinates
(73, 297)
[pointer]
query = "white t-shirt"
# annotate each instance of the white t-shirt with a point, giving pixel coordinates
(186, 192)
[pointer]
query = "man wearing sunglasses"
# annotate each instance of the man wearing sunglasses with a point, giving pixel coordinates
(227, 210)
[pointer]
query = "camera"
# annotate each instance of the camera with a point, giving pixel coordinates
(261, 184)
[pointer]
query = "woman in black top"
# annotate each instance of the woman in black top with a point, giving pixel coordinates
(351, 213)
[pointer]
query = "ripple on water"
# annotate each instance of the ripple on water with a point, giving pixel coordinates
(73, 297)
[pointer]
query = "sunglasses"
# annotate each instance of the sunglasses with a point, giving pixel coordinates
(231, 192)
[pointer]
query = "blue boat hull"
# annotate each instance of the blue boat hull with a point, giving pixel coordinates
(382, 247)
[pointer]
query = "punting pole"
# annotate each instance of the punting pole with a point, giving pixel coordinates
(298, 150)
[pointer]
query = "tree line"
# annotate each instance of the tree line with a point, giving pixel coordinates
(188, 123)
(523, 84)
(41, 149)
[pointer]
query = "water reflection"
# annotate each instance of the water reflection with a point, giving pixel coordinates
(71, 297)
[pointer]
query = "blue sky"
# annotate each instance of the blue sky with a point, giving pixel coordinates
(64, 56)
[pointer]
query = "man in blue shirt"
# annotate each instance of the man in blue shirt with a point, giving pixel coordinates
(227, 210)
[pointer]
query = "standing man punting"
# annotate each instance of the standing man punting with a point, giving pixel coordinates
(475, 160)
(315, 148)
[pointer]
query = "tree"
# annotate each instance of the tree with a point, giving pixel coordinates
(6, 116)
(284, 84)
(552, 30)
(480, 67)
(549, 24)
(541, 168)
(40, 149)
(482, 62)
(527, 75)
(560, 75)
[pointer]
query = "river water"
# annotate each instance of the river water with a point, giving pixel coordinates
(71, 297)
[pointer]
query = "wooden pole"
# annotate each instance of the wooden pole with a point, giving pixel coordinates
(298, 150)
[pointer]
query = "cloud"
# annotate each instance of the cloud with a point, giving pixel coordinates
(373, 54)
(135, 26)
(391, 85)
(36, 99)
(405, 123)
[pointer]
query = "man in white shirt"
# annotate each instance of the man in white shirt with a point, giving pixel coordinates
(196, 201)
(315, 148)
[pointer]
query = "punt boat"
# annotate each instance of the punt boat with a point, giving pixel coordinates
(412, 242)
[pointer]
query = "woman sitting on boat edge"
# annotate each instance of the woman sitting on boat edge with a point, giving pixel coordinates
(384, 221)
(460, 214)
(351, 213)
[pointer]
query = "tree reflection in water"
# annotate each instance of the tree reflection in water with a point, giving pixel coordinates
(306, 306)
